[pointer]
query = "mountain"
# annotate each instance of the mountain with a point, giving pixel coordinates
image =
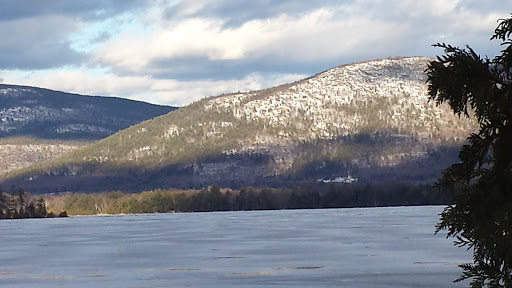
(39, 124)
(48, 114)
(371, 120)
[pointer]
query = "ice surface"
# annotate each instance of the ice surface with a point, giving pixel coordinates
(364, 247)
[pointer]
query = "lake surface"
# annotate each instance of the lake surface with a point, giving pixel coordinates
(360, 247)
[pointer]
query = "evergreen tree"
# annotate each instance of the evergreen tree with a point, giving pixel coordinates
(31, 211)
(481, 217)
(3, 204)
(41, 208)
(12, 209)
(21, 202)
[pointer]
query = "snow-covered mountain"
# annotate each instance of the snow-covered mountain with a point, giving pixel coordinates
(372, 119)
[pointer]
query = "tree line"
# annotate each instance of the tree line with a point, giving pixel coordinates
(19, 204)
(213, 198)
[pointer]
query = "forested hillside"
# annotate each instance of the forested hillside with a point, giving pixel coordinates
(371, 120)
(44, 113)
(39, 124)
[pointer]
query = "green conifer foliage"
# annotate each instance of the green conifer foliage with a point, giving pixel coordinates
(481, 216)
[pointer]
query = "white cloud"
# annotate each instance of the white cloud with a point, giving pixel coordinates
(432, 7)
(176, 92)
(82, 82)
(350, 31)
(149, 50)
(161, 91)
(313, 36)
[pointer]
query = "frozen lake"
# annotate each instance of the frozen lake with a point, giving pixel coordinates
(367, 247)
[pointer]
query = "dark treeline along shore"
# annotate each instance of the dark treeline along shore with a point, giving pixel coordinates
(18, 204)
(213, 198)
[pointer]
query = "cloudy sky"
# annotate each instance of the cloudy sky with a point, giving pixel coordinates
(175, 52)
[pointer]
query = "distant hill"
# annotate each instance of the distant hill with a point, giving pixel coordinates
(48, 114)
(371, 120)
(39, 124)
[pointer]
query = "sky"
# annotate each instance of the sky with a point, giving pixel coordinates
(176, 52)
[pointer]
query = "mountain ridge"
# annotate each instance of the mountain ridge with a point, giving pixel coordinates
(38, 124)
(46, 113)
(362, 117)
